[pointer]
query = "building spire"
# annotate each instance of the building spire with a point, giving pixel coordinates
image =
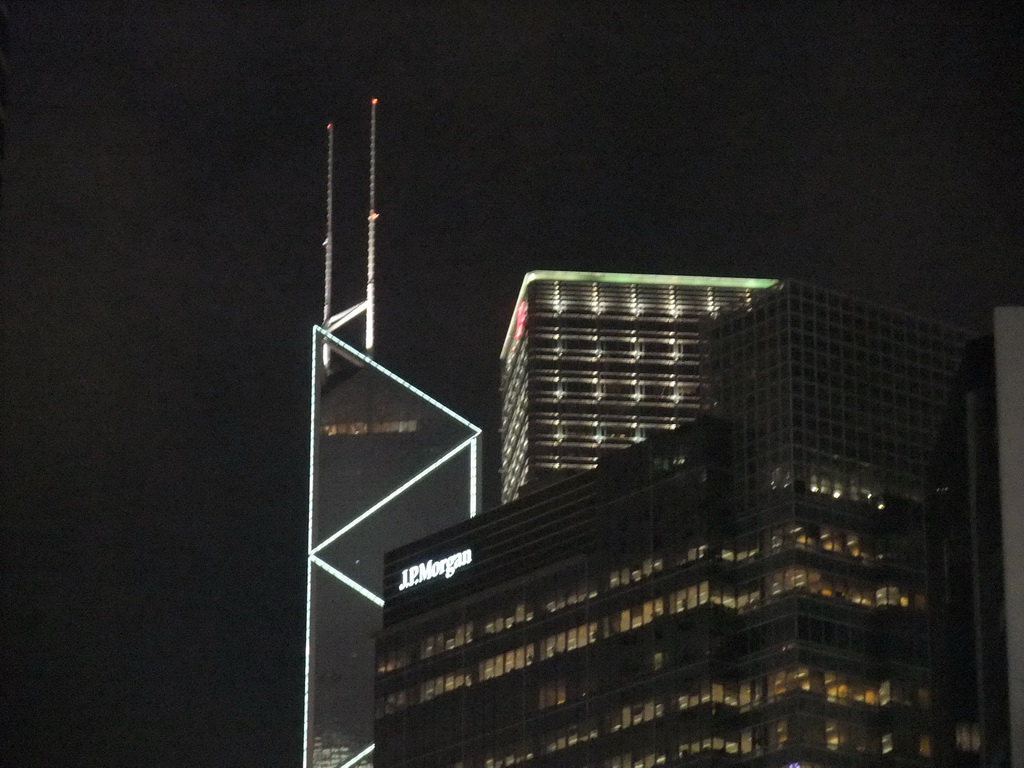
(371, 226)
(329, 239)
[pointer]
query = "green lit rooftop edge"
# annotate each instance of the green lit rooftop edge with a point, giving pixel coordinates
(752, 283)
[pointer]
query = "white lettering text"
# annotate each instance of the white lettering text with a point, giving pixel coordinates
(433, 568)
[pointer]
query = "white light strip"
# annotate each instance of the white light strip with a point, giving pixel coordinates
(363, 358)
(341, 318)
(309, 568)
(312, 440)
(345, 579)
(473, 500)
(309, 648)
(358, 757)
(399, 490)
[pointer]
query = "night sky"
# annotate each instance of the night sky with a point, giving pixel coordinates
(162, 267)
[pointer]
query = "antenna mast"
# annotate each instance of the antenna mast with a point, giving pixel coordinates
(371, 226)
(329, 239)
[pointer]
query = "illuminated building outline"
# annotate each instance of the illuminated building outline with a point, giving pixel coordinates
(324, 344)
(322, 339)
(596, 361)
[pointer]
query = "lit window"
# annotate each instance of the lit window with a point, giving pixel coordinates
(832, 734)
(924, 745)
(746, 741)
(886, 743)
(968, 737)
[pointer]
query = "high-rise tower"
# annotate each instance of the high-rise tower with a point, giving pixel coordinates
(748, 589)
(597, 361)
(388, 464)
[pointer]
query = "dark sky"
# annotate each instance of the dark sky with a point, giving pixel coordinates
(162, 266)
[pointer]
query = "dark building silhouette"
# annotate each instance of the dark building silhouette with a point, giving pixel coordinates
(748, 588)
(974, 522)
(5, 74)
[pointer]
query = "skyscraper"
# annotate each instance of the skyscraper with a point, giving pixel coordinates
(747, 588)
(388, 464)
(975, 523)
(596, 361)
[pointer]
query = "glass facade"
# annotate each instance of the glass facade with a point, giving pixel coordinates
(649, 629)
(388, 465)
(830, 394)
(836, 404)
(597, 361)
(748, 588)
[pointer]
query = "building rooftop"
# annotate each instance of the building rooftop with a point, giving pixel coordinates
(629, 278)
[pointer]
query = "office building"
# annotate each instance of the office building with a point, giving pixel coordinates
(596, 361)
(388, 464)
(975, 524)
(747, 588)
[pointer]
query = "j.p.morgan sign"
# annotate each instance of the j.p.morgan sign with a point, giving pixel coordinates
(434, 568)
